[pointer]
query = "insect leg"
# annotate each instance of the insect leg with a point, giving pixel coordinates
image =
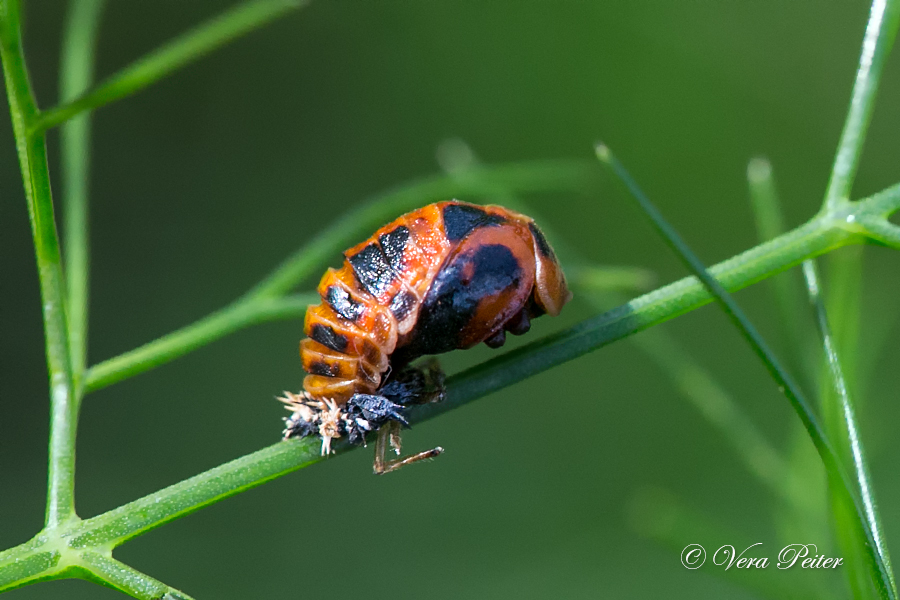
(389, 433)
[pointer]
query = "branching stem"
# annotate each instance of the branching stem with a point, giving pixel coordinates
(76, 74)
(70, 547)
(814, 238)
(36, 178)
(170, 57)
(881, 30)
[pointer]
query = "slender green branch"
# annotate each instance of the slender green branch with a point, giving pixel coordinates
(120, 524)
(764, 199)
(602, 287)
(883, 232)
(844, 296)
(845, 269)
(28, 563)
(674, 523)
(525, 177)
(844, 302)
(882, 204)
(718, 407)
(172, 56)
(880, 571)
(36, 178)
(234, 317)
(265, 303)
(848, 413)
(110, 572)
(711, 400)
(785, 288)
(604, 279)
(46, 558)
(76, 74)
(802, 484)
(130, 520)
(880, 33)
(510, 368)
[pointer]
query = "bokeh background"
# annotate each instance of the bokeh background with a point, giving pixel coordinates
(204, 182)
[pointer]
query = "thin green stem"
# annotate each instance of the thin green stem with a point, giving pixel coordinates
(711, 400)
(502, 371)
(764, 199)
(845, 274)
(880, 33)
(718, 407)
(605, 279)
(36, 178)
(603, 287)
(128, 521)
(690, 379)
(76, 74)
(525, 177)
(844, 296)
(880, 573)
(802, 484)
(108, 571)
(852, 439)
(46, 558)
(151, 511)
(883, 232)
(234, 317)
(35, 560)
(675, 524)
(172, 56)
(785, 288)
(265, 302)
(882, 204)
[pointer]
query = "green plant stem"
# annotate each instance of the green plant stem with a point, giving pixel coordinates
(675, 524)
(803, 484)
(851, 437)
(813, 238)
(606, 279)
(263, 302)
(172, 56)
(44, 558)
(133, 519)
(880, 573)
(883, 232)
(764, 199)
(881, 30)
(234, 317)
(845, 269)
(718, 407)
(602, 286)
(483, 379)
(843, 304)
(36, 178)
(525, 177)
(76, 74)
(785, 288)
(112, 573)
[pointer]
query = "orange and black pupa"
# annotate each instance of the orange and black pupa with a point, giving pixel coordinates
(446, 276)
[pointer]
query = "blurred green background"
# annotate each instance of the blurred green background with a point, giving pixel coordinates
(204, 182)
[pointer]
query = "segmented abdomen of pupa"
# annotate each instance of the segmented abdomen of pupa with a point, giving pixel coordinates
(369, 304)
(449, 275)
